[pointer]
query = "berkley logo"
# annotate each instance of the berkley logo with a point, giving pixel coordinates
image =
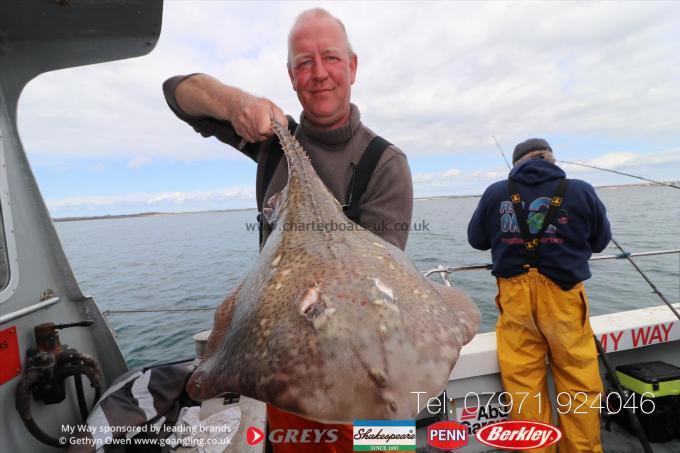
(447, 435)
(519, 435)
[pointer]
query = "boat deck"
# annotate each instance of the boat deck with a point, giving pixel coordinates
(621, 441)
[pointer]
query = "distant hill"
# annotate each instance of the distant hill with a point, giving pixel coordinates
(102, 217)
(141, 214)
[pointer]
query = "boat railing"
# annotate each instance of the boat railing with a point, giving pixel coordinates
(446, 271)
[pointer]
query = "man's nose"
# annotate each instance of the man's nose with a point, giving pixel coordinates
(319, 69)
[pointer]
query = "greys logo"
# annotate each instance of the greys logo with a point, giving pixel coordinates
(303, 436)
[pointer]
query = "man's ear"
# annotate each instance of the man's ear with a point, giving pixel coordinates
(353, 63)
(290, 75)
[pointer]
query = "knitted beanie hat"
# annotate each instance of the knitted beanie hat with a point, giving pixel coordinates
(527, 146)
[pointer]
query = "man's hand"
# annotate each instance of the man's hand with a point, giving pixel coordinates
(252, 118)
(203, 95)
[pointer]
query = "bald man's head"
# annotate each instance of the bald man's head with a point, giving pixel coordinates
(316, 15)
(322, 68)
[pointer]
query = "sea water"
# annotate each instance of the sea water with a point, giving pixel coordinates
(182, 261)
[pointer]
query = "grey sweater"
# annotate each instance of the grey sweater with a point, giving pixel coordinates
(387, 204)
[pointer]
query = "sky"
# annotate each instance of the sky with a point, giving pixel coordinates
(598, 80)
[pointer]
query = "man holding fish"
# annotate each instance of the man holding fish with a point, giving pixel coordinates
(322, 68)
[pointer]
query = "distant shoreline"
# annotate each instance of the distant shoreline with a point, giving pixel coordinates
(154, 213)
(142, 214)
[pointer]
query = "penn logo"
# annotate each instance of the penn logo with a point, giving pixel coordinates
(447, 435)
(519, 435)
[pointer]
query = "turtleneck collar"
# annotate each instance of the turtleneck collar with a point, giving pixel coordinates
(332, 136)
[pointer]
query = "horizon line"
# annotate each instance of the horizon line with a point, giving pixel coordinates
(152, 213)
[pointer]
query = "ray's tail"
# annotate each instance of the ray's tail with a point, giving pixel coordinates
(299, 164)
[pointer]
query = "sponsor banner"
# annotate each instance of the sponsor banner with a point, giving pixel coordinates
(447, 435)
(384, 435)
(519, 435)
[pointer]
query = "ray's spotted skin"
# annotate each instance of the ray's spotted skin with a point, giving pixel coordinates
(332, 325)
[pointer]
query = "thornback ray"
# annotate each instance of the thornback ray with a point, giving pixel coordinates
(332, 325)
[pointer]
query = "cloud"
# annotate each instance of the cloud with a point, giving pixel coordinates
(235, 197)
(628, 159)
(97, 167)
(666, 157)
(138, 162)
(180, 198)
(451, 173)
(439, 183)
(422, 178)
(435, 78)
(613, 160)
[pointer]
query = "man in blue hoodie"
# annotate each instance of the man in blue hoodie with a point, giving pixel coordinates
(542, 229)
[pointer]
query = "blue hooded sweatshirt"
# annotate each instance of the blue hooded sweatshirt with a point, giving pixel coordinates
(579, 228)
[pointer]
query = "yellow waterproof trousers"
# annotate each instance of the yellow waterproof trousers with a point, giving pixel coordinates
(538, 318)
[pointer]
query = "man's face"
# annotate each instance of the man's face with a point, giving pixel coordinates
(322, 71)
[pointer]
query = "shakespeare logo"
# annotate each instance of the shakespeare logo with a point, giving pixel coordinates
(384, 435)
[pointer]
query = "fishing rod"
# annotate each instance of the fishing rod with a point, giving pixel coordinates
(621, 173)
(656, 290)
(502, 153)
